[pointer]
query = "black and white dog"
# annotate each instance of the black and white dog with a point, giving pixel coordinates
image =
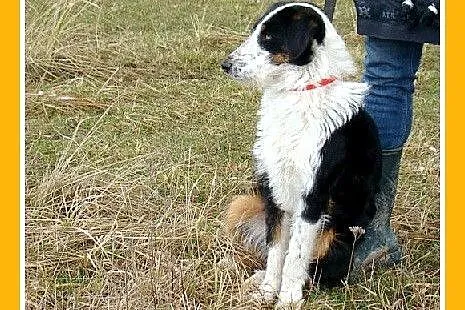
(317, 152)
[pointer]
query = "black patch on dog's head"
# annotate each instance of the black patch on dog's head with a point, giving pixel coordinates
(271, 8)
(289, 34)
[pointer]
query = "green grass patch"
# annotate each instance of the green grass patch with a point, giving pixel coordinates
(136, 141)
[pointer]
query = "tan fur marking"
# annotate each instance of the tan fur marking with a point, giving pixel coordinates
(280, 58)
(323, 243)
(242, 209)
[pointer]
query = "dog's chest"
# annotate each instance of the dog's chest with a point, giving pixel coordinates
(289, 140)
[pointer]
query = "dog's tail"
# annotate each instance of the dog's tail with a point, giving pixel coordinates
(245, 221)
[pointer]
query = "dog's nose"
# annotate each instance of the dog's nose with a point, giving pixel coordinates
(226, 65)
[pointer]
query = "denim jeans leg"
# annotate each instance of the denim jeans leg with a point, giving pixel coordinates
(390, 69)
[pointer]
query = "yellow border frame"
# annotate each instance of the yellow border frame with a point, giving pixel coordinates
(454, 162)
(10, 128)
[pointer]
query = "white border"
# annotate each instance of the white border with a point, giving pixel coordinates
(22, 192)
(442, 157)
(442, 173)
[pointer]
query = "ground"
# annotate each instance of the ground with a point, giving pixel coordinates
(136, 141)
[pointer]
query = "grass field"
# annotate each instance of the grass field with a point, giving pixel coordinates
(136, 141)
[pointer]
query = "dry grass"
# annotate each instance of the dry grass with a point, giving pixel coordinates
(135, 142)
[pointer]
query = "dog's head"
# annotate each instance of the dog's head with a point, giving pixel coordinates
(291, 42)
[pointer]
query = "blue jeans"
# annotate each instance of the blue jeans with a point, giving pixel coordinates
(390, 68)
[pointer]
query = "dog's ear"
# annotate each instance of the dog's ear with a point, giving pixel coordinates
(270, 9)
(289, 34)
(306, 26)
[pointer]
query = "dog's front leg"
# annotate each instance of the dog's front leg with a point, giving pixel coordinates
(297, 261)
(271, 284)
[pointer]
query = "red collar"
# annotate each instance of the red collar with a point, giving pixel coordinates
(321, 83)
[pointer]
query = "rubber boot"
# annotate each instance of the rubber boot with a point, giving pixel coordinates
(379, 247)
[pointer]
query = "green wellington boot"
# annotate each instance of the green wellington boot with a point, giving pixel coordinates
(379, 247)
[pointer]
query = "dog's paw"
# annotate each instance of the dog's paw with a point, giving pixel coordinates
(290, 296)
(265, 292)
(295, 305)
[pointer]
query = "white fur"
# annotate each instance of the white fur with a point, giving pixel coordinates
(275, 261)
(408, 2)
(292, 129)
(295, 269)
(433, 9)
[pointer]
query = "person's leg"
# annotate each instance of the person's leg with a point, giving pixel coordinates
(390, 68)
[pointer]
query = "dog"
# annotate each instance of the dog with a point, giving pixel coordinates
(317, 154)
